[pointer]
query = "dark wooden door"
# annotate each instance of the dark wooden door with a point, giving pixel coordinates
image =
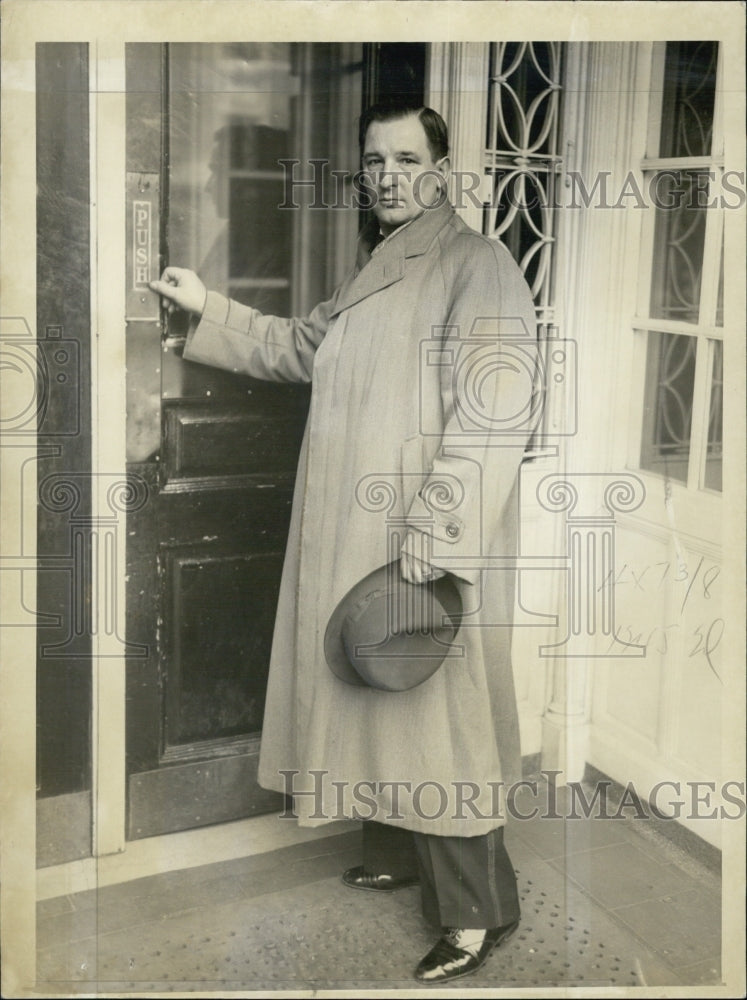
(213, 454)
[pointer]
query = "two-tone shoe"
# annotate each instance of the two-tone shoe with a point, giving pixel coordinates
(359, 878)
(460, 953)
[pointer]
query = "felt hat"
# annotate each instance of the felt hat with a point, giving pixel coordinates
(392, 635)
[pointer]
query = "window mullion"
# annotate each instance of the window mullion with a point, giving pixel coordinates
(675, 163)
(675, 326)
(647, 263)
(699, 419)
(711, 254)
(640, 391)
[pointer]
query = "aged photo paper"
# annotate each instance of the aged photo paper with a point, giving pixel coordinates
(148, 513)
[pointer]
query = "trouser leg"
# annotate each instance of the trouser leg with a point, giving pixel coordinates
(391, 850)
(388, 850)
(428, 887)
(472, 879)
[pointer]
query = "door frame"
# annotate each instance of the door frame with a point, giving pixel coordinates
(108, 863)
(109, 414)
(109, 501)
(18, 645)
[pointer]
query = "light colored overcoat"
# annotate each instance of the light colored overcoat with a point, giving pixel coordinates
(421, 366)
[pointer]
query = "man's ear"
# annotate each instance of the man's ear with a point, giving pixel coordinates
(443, 166)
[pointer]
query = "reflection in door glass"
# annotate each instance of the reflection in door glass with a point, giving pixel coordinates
(668, 404)
(689, 99)
(679, 242)
(232, 113)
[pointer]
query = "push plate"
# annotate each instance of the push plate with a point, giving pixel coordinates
(142, 246)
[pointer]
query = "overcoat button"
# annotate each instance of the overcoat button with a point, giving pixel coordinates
(452, 530)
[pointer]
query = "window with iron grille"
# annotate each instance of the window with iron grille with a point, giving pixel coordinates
(523, 162)
(680, 311)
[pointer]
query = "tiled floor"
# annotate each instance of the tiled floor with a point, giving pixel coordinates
(604, 903)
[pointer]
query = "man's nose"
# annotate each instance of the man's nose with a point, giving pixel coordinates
(387, 179)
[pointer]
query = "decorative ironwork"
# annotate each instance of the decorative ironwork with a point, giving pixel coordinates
(522, 156)
(669, 403)
(689, 99)
(678, 251)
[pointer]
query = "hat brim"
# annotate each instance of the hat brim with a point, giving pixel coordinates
(388, 674)
(334, 647)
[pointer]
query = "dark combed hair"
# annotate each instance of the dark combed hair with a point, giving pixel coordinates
(433, 124)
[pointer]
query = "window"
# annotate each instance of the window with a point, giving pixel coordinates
(681, 303)
(523, 160)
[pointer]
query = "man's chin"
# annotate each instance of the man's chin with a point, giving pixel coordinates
(392, 218)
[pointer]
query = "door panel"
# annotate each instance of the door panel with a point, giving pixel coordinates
(220, 609)
(202, 452)
(217, 450)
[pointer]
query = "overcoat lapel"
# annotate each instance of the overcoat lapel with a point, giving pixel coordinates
(388, 265)
(379, 272)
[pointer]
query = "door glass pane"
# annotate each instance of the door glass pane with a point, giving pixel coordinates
(232, 113)
(668, 404)
(714, 456)
(679, 236)
(688, 99)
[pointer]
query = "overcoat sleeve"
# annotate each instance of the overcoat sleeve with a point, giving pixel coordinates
(241, 339)
(487, 380)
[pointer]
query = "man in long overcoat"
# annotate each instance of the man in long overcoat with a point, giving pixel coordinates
(421, 364)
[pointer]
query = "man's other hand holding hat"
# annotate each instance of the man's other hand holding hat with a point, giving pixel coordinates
(414, 563)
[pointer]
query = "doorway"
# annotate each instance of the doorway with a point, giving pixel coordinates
(208, 129)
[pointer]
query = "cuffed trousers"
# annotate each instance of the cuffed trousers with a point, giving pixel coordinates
(464, 881)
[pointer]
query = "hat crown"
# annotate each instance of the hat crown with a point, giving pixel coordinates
(392, 633)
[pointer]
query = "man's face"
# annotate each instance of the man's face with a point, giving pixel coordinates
(399, 167)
